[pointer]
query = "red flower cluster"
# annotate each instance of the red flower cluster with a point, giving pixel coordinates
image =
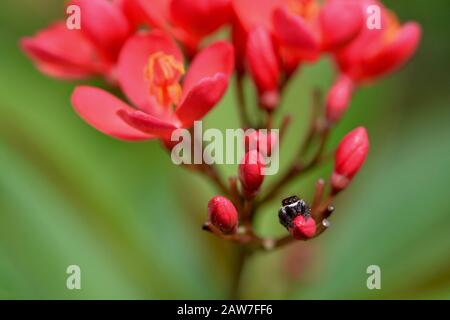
(91, 50)
(372, 54)
(275, 36)
(157, 52)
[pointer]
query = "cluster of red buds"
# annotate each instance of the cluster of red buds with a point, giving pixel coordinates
(159, 54)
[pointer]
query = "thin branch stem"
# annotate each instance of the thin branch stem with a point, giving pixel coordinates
(241, 102)
(297, 168)
(269, 120)
(284, 126)
(318, 194)
(241, 258)
(212, 173)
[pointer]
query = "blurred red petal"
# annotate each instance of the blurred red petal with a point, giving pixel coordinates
(201, 99)
(105, 24)
(133, 11)
(293, 31)
(61, 52)
(239, 39)
(62, 72)
(200, 17)
(340, 22)
(156, 12)
(262, 60)
(99, 108)
(396, 53)
(216, 58)
(252, 14)
(146, 123)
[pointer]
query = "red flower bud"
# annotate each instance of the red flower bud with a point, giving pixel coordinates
(250, 173)
(264, 67)
(222, 214)
(263, 143)
(303, 227)
(350, 156)
(338, 98)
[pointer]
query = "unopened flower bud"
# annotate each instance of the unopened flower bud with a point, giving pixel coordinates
(338, 98)
(303, 227)
(269, 100)
(350, 156)
(264, 66)
(263, 143)
(223, 214)
(250, 173)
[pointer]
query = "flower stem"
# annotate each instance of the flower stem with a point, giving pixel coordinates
(241, 258)
(242, 106)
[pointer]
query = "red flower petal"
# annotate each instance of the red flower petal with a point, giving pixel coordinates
(252, 14)
(156, 12)
(99, 108)
(293, 31)
(133, 60)
(201, 99)
(200, 17)
(216, 58)
(368, 42)
(239, 39)
(262, 60)
(105, 24)
(62, 72)
(132, 10)
(396, 53)
(146, 123)
(58, 51)
(340, 22)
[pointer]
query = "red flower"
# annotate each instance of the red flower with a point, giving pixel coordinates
(376, 52)
(303, 25)
(72, 54)
(303, 227)
(269, 16)
(277, 35)
(187, 20)
(250, 173)
(149, 70)
(223, 214)
(350, 156)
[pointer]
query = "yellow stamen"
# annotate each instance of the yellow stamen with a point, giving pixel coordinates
(163, 72)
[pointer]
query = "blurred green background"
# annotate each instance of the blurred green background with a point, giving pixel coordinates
(131, 220)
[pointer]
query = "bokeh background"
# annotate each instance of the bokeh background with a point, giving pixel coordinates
(131, 220)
